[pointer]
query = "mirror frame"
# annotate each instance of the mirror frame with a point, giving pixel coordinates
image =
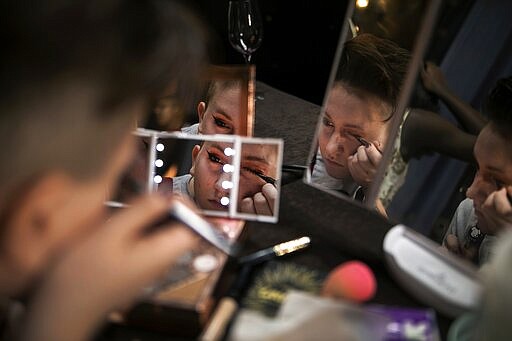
(417, 54)
(420, 47)
(238, 142)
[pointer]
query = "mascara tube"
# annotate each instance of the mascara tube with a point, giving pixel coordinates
(275, 251)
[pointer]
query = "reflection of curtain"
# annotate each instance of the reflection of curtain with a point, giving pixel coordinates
(479, 55)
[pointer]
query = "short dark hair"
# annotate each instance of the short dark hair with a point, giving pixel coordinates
(218, 85)
(375, 66)
(498, 106)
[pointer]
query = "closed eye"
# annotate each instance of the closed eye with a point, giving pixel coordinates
(221, 123)
(326, 122)
(253, 171)
(262, 176)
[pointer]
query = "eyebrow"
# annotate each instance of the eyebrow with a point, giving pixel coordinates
(256, 158)
(217, 146)
(267, 179)
(346, 125)
(494, 169)
(223, 113)
(489, 168)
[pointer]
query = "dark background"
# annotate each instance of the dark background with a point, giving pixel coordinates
(300, 39)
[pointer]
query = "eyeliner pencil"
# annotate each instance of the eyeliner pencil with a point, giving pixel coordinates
(228, 305)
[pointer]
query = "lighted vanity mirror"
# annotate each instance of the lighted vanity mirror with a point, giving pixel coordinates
(426, 177)
(226, 175)
(223, 105)
(367, 94)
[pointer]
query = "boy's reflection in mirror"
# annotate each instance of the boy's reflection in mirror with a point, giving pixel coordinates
(355, 125)
(219, 113)
(258, 171)
(211, 177)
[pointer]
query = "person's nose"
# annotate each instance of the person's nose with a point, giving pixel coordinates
(223, 184)
(479, 190)
(335, 145)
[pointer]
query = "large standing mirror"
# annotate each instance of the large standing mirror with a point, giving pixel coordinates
(381, 41)
(431, 182)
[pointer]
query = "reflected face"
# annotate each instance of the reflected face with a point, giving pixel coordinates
(221, 115)
(208, 161)
(346, 117)
(258, 167)
(211, 182)
(494, 169)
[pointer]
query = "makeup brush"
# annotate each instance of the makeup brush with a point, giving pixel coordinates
(228, 305)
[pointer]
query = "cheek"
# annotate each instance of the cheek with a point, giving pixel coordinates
(89, 212)
(236, 124)
(325, 132)
(380, 134)
(485, 189)
(323, 140)
(205, 177)
(479, 190)
(207, 125)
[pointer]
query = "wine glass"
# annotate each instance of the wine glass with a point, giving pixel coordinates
(245, 27)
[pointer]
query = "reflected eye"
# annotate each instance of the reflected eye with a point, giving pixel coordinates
(499, 184)
(253, 171)
(260, 175)
(220, 123)
(358, 138)
(214, 158)
(326, 122)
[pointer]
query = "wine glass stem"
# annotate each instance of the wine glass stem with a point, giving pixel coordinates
(247, 57)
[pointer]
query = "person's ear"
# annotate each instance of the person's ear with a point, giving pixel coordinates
(195, 152)
(34, 220)
(201, 109)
